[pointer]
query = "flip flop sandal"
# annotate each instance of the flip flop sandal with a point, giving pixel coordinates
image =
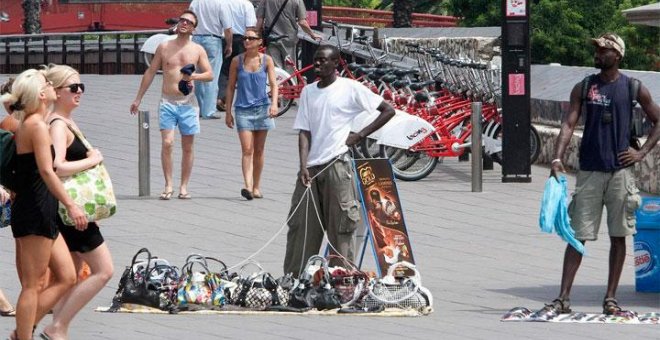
(611, 306)
(10, 312)
(166, 195)
(560, 306)
(247, 194)
(185, 196)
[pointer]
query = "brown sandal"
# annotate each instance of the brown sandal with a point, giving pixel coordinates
(611, 306)
(560, 306)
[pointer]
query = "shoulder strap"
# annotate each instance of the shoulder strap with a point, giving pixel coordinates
(586, 83)
(75, 132)
(277, 16)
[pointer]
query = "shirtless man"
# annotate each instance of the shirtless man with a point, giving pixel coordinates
(176, 108)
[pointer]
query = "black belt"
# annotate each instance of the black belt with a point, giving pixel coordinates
(207, 35)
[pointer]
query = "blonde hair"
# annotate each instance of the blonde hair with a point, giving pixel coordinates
(23, 97)
(58, 74)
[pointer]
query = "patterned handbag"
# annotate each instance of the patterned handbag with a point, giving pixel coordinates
(404, 293)
(203, 288)
(259, 291)
(91, 190)
(5, 214)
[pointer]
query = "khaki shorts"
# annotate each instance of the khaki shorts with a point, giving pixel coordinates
(614, 190)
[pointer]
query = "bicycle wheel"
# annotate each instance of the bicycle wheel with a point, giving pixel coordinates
(409, 165)
(369, 148)
(284, 101)
(534, 146)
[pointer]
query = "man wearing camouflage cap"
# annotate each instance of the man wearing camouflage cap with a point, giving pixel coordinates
(607, 152)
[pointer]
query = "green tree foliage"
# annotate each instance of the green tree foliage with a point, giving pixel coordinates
(561, 29)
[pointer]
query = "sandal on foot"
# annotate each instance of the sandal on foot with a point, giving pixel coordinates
(166, 195)
(185, 196)
(44, 336)
(560, 306)
(10, 312)
(247, 194)
(611, 306)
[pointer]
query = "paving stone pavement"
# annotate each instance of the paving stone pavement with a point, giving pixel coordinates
(480, 254)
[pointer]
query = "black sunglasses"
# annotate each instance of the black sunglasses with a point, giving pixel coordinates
(251, 38)
(74, 87)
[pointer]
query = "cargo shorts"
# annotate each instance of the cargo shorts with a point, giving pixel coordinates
(616, 191)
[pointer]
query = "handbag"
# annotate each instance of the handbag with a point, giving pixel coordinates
(90, 189)
(259, 291)
(5, 214)
(203, 287)
(320, 295)
(349, 282)
(391, 292)
(148, 282)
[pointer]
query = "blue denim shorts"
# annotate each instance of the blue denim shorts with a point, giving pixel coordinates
(253, 118)
(181, 113)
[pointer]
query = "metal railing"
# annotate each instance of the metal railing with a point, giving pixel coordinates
(116, 52)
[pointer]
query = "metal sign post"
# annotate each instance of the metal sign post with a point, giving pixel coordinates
(516, 122)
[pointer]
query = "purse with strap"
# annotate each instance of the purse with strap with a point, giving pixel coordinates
(202, 287)
(349, 282)
(404, 293)
(259, 291)
(90, 189)
(147, 281)
(308, 294)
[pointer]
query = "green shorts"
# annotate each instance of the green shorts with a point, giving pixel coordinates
(614, 190)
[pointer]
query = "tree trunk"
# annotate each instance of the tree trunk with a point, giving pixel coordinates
(32, 16)
(402, 13)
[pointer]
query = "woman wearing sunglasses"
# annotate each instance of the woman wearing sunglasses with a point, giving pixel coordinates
(249, 73)
(34, 208)
(71, 156)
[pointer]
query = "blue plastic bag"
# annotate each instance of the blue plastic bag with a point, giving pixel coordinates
(554, 212)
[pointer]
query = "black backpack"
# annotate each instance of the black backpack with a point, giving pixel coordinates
(636, 129)
(7, 160)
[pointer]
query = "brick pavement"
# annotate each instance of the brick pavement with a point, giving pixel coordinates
(479, 253)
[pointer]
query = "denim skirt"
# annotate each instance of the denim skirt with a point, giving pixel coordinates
(253, 118)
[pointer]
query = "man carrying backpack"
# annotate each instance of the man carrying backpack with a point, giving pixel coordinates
(606, 155)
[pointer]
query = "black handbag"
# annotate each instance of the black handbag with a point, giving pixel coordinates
(147, 282)
(308, 295)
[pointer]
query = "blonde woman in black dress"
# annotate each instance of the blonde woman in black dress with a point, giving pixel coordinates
(71, 157)
(35, 206)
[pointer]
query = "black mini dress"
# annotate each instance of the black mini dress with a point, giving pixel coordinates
(34, 208)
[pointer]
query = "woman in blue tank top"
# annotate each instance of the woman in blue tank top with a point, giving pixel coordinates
(249, 73)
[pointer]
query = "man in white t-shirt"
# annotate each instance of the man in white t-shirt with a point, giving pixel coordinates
(327, 108)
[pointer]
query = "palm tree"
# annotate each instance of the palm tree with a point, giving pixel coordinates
(32, 16)
(402, 12)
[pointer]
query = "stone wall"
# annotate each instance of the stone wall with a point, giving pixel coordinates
(646, 172)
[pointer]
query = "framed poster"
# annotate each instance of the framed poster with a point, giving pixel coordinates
(384, 217)
(516, 8)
